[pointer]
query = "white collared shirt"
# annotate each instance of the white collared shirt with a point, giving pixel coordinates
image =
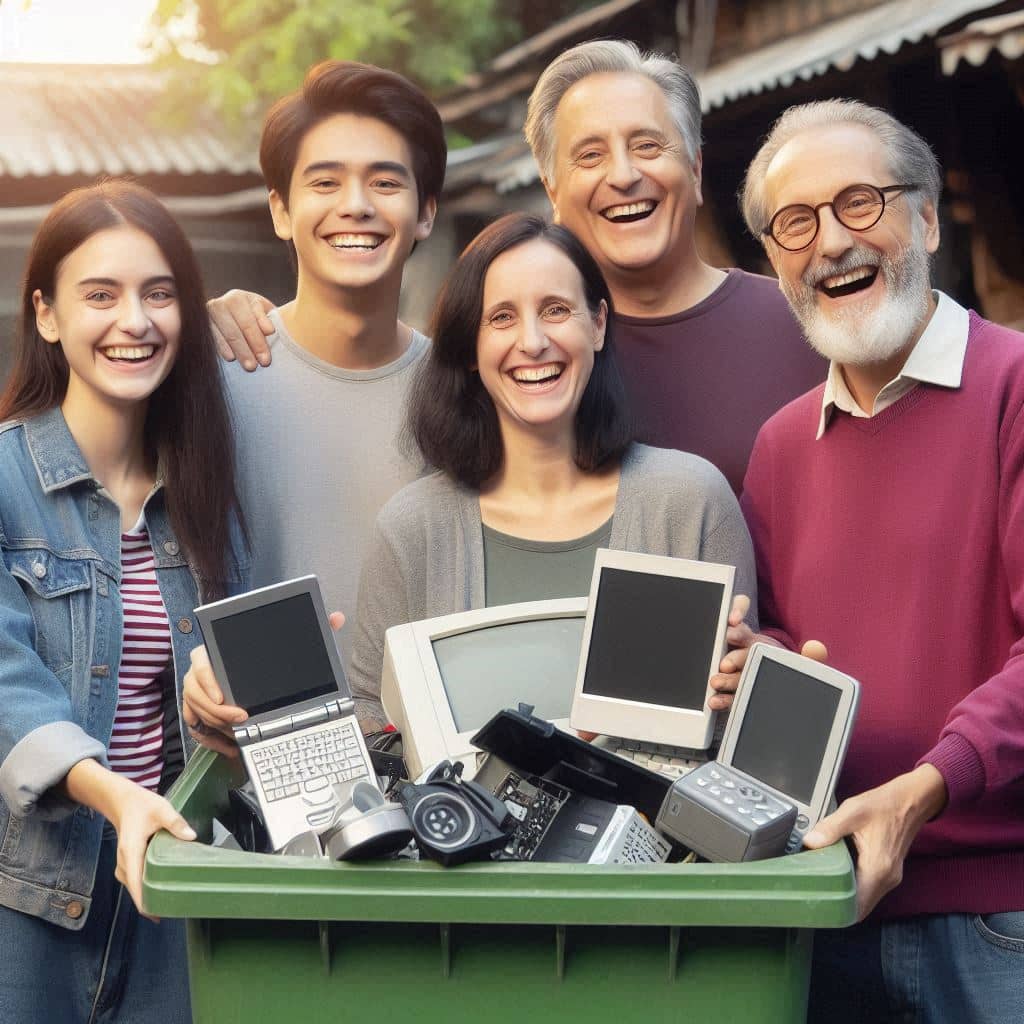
(937, 358)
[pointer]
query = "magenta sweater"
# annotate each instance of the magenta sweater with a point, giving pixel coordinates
(899, 542)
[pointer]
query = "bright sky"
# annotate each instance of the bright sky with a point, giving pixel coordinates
(73, 31)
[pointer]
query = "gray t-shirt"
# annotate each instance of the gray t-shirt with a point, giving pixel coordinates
(517, 569)
(319, 454)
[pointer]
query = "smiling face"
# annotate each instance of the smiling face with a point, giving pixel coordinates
(352, 210)
(862, 297)
(623, 182)
(115, 314)
(537, 339)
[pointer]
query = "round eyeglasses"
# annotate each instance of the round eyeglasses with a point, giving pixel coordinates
(857, 207)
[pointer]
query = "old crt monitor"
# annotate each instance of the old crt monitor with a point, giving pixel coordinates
(654, 635)
(446, 677)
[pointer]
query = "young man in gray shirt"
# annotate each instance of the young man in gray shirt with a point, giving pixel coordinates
(354, 162)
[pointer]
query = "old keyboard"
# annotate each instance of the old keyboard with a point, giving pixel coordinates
(672, 762)
(332, 754)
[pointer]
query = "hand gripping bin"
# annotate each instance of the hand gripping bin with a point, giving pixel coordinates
(280, 939)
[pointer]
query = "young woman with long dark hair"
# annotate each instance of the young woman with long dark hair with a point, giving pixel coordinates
(118, 515)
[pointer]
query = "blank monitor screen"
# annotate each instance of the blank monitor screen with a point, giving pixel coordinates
(653, 638)
(274, 655)
(487, 670)
(785, 729)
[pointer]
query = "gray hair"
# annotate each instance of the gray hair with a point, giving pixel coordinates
(911, 159)
(601, 57)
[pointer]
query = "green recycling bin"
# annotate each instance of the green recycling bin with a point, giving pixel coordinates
(279, 939)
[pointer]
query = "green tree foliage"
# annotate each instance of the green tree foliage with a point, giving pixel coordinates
(240, 54)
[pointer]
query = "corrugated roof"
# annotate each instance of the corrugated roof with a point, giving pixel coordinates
(103, 119)
(838, 44)
(516, 70)
(1004, 33)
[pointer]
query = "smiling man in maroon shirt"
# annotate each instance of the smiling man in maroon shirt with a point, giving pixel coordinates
(708, 355)
(886, 509)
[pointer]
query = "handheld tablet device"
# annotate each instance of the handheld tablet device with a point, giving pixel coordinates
(781, 753)
(446, 677)
(654, 635)
(274, 654)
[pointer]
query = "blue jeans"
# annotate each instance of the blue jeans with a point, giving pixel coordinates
(119, 968)
(936, 969)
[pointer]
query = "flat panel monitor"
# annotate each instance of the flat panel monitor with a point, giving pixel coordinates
(790, 726)
(654, 635)
(446, 677)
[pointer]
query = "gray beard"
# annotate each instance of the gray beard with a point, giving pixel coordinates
(851, 335)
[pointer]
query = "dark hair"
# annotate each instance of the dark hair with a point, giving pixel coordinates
(187, 429)
(346, 87)
(452, 417)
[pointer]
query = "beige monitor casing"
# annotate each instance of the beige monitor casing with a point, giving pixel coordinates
(413, 692)
(637, 719)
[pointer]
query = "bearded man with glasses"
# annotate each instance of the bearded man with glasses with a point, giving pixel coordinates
(887, 512)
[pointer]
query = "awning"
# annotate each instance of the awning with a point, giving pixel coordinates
(881, 29)
(1004, 33)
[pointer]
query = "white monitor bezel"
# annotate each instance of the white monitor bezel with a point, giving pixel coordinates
(209, 614)
(640, 720)
(423, 700)
(839, 735)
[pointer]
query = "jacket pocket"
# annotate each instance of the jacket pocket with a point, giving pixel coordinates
(53, 586)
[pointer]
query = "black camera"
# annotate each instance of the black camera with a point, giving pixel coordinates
(453, 820)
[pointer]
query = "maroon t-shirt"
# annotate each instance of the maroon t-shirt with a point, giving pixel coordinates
(705, 380)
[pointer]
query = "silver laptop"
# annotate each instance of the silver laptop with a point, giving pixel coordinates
(274, 654)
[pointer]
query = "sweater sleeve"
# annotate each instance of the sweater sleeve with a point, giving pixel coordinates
(981, 746)
(382, 603)
(727, 541)
(756, 503)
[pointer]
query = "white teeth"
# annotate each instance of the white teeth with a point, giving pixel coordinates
(353, 241)
(532, 374)
(129, 352)
(630, 209)
(855, 275)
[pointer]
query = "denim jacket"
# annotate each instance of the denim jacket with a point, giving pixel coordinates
(60, 648)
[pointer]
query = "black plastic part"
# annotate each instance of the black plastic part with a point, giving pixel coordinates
(536, 747)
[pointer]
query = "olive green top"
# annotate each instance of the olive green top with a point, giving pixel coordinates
(517, 569)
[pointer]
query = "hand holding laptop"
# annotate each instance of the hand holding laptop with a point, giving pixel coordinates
(209, 719)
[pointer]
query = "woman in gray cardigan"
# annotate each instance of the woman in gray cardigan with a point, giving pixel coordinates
(521, 408)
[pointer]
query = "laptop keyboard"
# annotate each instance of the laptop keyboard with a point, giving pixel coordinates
(672, 762)
(332, 754)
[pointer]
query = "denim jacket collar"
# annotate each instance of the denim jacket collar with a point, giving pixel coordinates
(58, 460)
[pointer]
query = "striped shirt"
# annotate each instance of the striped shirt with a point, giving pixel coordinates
(136, 743)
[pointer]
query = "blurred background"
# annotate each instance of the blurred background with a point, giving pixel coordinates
(172, 92)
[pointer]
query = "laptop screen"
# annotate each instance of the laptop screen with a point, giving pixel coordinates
(274, 655)
(653, 638)
(786, 728)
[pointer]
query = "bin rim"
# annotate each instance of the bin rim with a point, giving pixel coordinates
(814, 889)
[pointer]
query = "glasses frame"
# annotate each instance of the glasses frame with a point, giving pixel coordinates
(882, 192)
